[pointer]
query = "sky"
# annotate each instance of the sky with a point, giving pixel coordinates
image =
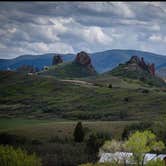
(70, 27)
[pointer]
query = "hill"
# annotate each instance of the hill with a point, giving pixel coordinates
(42, 97)
(102, 61)
(136, 68)
(80, 67)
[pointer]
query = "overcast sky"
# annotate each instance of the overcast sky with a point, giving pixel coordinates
(69, 27)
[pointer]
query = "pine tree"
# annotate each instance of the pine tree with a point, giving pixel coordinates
(78, 133)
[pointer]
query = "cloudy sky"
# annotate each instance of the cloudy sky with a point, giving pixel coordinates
(69, 27)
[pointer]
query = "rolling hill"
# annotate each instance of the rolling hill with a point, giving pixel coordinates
(41, 97)
(137, 68)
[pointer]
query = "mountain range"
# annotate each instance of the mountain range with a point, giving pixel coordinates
(102, 61)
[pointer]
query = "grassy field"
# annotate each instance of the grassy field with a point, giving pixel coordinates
(45, 129)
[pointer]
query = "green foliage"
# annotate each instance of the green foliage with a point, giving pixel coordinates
(141, 126)
(157, 162)
(159, 129)
(78, 133)
(98, 164)
(112, 146)
(140, 143)
(17, 157)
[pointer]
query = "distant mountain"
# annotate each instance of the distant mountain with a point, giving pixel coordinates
(137, 68)
(38, 61)
(80, 67)
(107, 60)
(102, 61)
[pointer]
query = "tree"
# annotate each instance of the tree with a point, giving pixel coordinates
(113, 147)
(17, 157)
(139, 143)
(110, 86)
(93, 142)
(78, 133)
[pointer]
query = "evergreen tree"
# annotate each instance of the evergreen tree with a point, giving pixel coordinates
(78, 133)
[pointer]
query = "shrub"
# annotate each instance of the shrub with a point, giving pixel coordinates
(126, 99)
(17, 157)
(110, 86)
(157, 162)
(10, 139)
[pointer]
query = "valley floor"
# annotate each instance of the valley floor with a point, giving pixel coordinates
(44, 129)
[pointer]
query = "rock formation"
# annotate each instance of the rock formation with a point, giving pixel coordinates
(136, 63)
(84, 59)
(56, 60)
(152, 69)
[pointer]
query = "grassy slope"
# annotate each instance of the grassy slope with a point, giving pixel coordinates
(41, 97)
(68, 70)
(120, 71)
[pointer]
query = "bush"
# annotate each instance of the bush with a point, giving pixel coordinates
(10, 139)
(110, 86)
(126, 99)
(157, 162)
(17, 157)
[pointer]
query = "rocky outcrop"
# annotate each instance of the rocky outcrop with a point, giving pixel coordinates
(136, 63)
(56, 60)
(84, 59)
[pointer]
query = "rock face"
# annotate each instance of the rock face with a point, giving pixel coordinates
(56, 60)
(84, 59)
(135, 63)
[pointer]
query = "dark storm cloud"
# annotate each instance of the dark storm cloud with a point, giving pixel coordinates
(39, 27)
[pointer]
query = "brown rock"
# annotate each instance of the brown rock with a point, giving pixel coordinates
(84, 59)
(136, 63)
(56, 60)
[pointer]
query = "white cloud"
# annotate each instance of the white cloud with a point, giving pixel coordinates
(96, 35)
(123, 9)
(157, 38)
(90, 26)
